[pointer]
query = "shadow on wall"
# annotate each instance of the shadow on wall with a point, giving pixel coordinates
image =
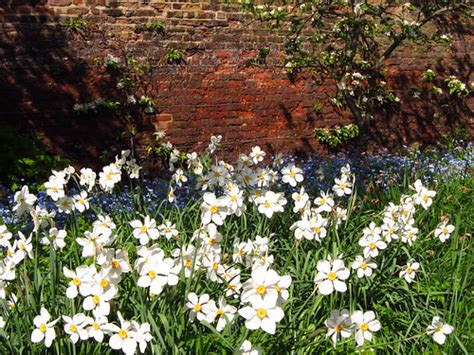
(40, 81)
(428, 118)
(42, 77)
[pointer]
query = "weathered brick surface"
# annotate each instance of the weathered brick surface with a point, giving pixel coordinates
(46, 70)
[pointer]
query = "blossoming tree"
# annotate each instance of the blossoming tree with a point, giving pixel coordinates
(348, 43)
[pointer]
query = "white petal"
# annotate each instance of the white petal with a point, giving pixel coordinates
(447, 329)
(324, 266)
(253, 323)
(340, 286)
(374, 326)
(247, 312)
(37, 336)
(359, 337)
(276, 314)
(268, 325)
(439, 337)
(326, 287)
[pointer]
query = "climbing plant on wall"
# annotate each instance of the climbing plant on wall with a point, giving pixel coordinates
(348, 42)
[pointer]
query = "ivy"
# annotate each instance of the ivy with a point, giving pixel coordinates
(174, 56)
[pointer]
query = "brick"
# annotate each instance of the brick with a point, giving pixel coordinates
(212, 93)
(59, 2)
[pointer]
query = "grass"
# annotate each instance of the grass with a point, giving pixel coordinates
(443, 286)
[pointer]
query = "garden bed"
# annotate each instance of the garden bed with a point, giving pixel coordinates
(354, 253)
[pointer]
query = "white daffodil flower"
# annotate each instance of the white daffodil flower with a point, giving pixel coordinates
(339, 325)
(364, 324)
(44, 328)
(438, 330)
(331, 275)
(262, 314)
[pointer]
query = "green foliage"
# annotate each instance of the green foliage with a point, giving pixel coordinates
(336, 136)
(456, 87)
(457, 136)
(96, 106)
(260, 58)
(24, 158)
(429, 75)
(163, 151)
(78, 25)
(151, 26)
(174, 56)
(318, 107)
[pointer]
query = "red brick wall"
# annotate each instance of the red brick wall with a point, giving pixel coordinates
(46, 70)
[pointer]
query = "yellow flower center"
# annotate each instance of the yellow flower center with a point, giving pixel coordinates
(104, 283)
(277, 288)
(95, 326)
(115, 264)
(261, 289)
(363, 266)
(73, 328)
(214, 209)
(409, 270)
(364, 327)
(220, 312)
(96, 299)
(109, 176)
(21, 246)
(317, 230)
(144, 229)
(332, 276)
(233, 198)
(122, 333)
(426, 198)
(267, 204)
(215, 266)
(445, 230)
(43, 328)
(292, 174)
(262, 313)
(152, 274)
(372, 245)
(323, 201)
(338, 328)
(197, 307)
(188, 263)
(76, 281)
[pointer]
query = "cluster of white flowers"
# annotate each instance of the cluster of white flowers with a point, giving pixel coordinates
(250, 287)
(126, 337)
(342, 324)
